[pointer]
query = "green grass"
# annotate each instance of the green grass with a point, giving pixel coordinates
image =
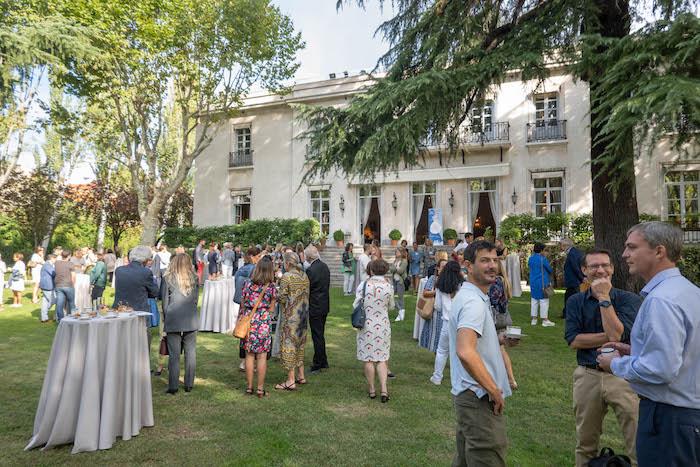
(330, 421)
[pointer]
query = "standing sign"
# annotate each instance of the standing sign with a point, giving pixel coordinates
(435, 225)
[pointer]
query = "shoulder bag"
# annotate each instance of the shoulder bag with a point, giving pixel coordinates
(549, 290)
(358, 313)
(425, 306)
(242, 327)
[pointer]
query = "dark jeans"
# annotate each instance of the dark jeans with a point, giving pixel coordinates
(481, 434)
(667, 435)
(64, 296)
(569, 292)
(176, 340)
(318, 328)
(97, 292)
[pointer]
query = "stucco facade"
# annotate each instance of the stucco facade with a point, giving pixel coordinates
(533, 147)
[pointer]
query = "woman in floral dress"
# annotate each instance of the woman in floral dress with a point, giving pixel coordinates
(294, 304)
(259, 340)
(374, 339)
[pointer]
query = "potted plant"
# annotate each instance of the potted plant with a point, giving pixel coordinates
(450, 236)
(339, 237)
(395, 236)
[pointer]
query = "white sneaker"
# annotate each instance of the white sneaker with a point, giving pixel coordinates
(400, 315)
(533, 322)
(547, 323)
(435, 381)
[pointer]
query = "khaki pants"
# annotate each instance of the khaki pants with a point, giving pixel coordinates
(481, 434)
(594, 391)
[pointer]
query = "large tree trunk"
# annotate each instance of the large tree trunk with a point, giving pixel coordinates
(101, 228)
(149, 220)
(53, 222)
(614, 212)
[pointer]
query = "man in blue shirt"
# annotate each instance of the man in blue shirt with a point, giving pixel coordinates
(662, 363)
(478, 374)
(47, 285)
(573, 275)
(599, 315)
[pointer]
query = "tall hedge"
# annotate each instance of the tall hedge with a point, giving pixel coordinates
(690, 263)
(259, 231)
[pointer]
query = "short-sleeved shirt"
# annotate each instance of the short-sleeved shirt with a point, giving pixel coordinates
(470, 310)
(63, 273)
(78, 263)
(583, 317)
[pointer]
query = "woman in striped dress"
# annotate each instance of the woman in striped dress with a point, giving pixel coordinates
(430, 334)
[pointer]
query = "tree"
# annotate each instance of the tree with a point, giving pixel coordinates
(445, 55)
(31, 45)
(176, 69)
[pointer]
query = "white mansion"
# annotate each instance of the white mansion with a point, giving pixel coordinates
(527, 150)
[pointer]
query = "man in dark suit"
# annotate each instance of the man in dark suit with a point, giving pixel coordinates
(319, 305)
(573, 275)
(134, 283)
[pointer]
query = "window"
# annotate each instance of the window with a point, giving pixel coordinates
(546, 109)
(682, 197)
(481, 118)
(241, 208)
(243, 140)
(549, 195)
(321, 208)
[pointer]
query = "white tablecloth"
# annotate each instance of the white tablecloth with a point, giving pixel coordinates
(97, 385)
(82, 291)
(513, 271)
(218, 311)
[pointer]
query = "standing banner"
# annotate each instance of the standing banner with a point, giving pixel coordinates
(435, 226)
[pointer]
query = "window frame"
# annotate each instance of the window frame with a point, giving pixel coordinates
(320, 199)
(547, 177)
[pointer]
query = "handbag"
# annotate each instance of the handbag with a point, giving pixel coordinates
(549, 290)
(358, 313)
(163, 350)
(243, 325)
(425, 306)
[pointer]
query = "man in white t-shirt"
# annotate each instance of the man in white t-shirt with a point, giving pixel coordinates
(478, 374)
(164, 255)
(362, 262)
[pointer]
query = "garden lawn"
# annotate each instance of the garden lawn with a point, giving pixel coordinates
(330, 421)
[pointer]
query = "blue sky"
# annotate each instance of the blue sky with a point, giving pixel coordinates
(336, 41)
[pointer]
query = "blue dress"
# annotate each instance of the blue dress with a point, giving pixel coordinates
(416, 257)
(430, 335)
(539, 275)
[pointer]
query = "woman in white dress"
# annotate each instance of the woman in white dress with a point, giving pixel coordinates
(19, 273)
(36, 262)
(374, 339)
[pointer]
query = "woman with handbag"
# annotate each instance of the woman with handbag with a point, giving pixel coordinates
(449, 281)
(499, 296)
(257, 304)
(180, 292)
(398, 271)
(374, 340)
(540, 285)
(430, 331)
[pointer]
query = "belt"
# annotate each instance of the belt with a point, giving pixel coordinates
(484, 397)
(592, 366)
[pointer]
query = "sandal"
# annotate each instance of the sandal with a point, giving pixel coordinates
(286, 387)
(372, 394)
(261, 393)
(300, 381)
(385, 397)
(249, 391)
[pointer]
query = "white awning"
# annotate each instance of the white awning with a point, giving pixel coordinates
(442, 173)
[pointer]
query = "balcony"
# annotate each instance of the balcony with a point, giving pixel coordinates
(496, 133)
(242, 158)
(549, 130)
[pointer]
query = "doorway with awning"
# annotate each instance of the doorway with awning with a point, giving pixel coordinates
(483, 205)
(370, 214)
(422, 199)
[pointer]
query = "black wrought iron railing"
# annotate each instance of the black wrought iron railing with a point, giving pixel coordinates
(546, 130)
(493, 133)
(241, 158)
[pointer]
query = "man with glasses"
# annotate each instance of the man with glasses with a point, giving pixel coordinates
(597, 316)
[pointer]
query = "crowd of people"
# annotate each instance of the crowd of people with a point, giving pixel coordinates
(638, 354)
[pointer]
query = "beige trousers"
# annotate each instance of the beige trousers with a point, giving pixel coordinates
(594, 391)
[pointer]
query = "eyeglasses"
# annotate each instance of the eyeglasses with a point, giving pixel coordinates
(596, 266)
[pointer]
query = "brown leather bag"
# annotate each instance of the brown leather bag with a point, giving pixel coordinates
(242, 328)
(163, 350)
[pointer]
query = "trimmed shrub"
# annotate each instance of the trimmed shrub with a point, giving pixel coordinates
(250, 232)
(339, 235)
(395, 234)
(450, 234)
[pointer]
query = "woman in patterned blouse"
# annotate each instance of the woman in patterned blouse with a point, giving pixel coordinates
(259, 340)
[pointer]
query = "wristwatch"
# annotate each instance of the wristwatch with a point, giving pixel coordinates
(604, 304)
